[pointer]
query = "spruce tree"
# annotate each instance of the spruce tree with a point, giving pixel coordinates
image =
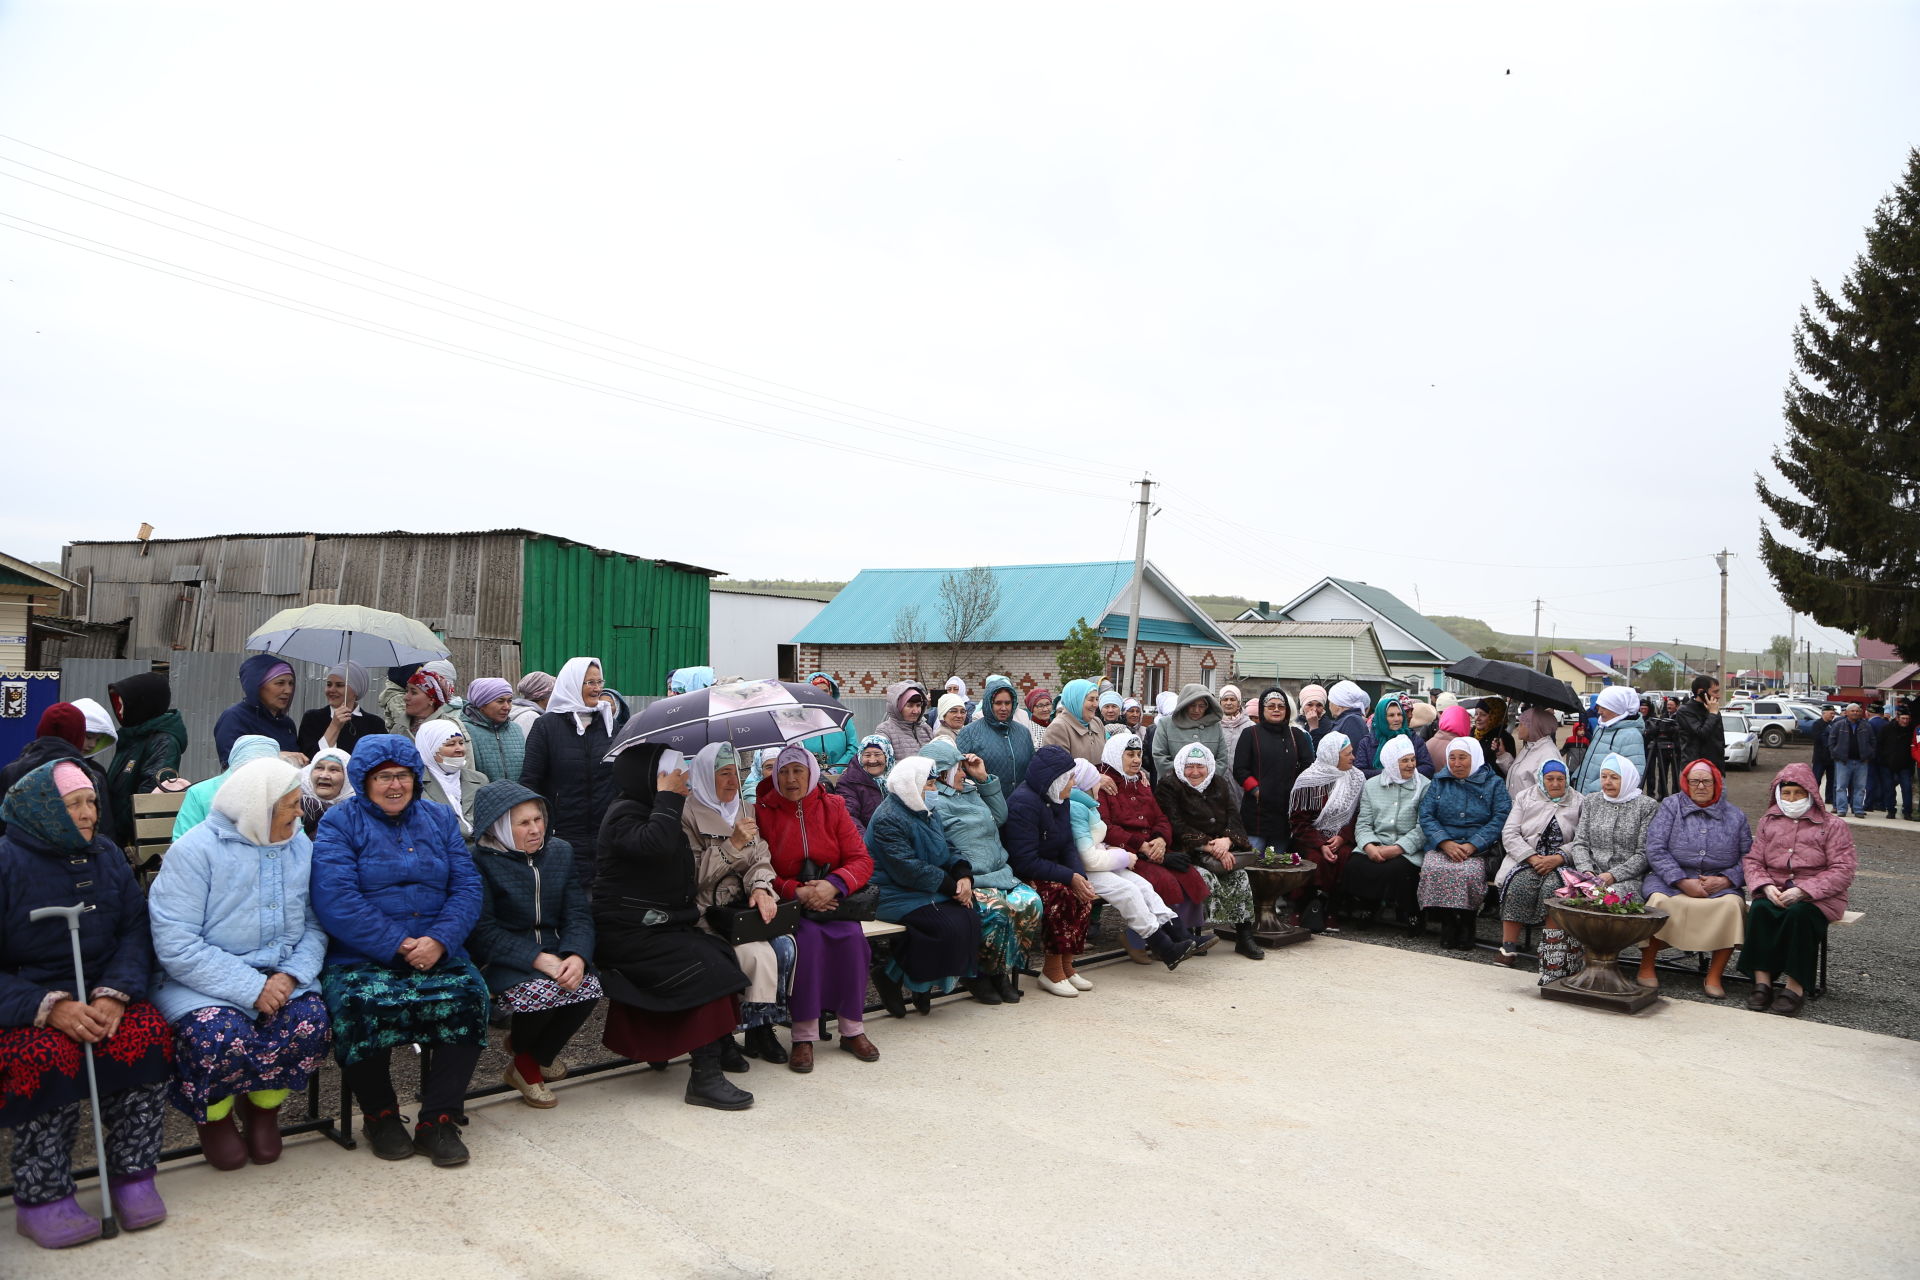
(1852, 452)
(1079, 657)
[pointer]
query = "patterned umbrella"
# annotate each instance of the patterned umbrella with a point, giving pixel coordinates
(751, 714)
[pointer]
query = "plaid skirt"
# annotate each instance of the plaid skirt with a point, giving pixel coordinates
(377, 1006)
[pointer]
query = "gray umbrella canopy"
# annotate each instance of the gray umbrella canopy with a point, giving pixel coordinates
(750, 714)
(327, 634)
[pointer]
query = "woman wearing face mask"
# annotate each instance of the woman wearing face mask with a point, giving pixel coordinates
(972, 808)
(1389, 844)
(566, 759)
(1462, 813)
(1538, 831)
(1041, 850)
(1390, 721)
(925, 886)
(1074, 729)
(1799, 870)
(1325, 804)
(1609, 848)
(267, 687)
(1204, 809)
(905, 727)
(1695, 846)
(343, 721)
(323, 784)
(52, 856)
(534, 938)
(496, 747)
(734, 868)
(450, 780)
(818, 859)
(240, 951)
(860, 786)
(675, 987)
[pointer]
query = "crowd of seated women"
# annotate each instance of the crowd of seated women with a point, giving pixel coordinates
(390, 894)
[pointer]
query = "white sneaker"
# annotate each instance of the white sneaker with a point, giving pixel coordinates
(1053, 988)
(533, 1093)
(1079, 983)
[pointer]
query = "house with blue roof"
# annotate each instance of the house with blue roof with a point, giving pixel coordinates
(1418, 650)
(888, 625)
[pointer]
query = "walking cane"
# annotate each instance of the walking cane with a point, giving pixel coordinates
(108, 1227)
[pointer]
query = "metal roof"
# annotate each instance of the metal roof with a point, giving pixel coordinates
(1341, 629)
(1395, 610)
(410, 533)
(33, 574)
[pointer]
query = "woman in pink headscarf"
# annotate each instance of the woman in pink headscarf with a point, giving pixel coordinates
(1454, 723)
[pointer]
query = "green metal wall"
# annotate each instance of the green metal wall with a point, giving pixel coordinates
(639, 618)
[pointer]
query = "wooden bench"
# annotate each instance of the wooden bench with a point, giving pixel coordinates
(153, 817)
(880, 928)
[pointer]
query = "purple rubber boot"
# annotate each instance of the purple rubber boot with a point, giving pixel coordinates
(135, 1202)
(58, 1224)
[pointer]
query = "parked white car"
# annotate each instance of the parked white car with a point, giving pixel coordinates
(1743, 744)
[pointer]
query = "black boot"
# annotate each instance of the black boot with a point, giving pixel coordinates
(1468, 934)
(1245, 944)
(764, 1043)
(709, 1086)
(985, 990)
(731, 1058)
(923, 1001)
(1313, 916)
(891, 998)
(1009, 985)
(1167, 948)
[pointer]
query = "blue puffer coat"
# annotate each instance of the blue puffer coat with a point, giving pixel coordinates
(248, 716)
(1006, 746)
(1039, 832)
(972, 818)
(1626, 735)
(379, 880)
(913, 864)
(1472, 809)
(43, 863)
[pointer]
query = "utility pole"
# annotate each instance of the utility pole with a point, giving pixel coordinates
(1726, 687)
(1629, 657)
(1139, 573)
(1536, 634)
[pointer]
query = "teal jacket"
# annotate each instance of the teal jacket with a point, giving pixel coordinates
(913, 864)
(495, 750)
(1005, 746)
(972, 818)
(836, 750)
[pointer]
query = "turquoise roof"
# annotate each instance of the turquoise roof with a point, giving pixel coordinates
(1038, 602)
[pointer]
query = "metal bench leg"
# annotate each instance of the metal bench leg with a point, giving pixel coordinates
(1820, 982)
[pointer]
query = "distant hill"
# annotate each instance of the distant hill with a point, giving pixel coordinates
(805, 590)
(1223, 608)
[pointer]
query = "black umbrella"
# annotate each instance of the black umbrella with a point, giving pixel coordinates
(1522, 684)
(750, 714)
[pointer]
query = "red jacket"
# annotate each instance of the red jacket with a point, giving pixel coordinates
(818, 828)
(1132, 815)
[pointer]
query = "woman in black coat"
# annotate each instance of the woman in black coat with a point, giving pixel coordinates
(674, 987)
(343, 721)
(566, 759)
(1269, 756)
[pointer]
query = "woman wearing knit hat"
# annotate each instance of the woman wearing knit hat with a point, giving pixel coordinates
(496, 746)
(343, 721)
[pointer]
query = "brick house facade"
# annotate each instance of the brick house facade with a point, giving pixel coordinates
(868, 669)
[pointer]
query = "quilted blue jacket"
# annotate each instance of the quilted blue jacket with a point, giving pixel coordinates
(1472, 809)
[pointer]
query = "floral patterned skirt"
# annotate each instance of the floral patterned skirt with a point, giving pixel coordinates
(1009, 927)
(1229, 897)
(377, 1006)
(221, 1052)
(1446, 885)
(42, 1070)
(1063, 923)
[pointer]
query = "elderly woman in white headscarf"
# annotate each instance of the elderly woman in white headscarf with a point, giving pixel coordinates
(1109, 870)
(1322, 808)
(343, 721)
(1609, 848)
(566, 760)
(449, 779)
(1542, 824)
(323, 784)
(924, 885)
(1389, 845)
(1617, 730)
(733, 868)
(1203, 807)
(1352, 714)
(1463, 813)
(240, 950)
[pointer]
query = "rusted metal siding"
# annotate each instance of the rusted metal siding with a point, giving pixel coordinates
(641, 618)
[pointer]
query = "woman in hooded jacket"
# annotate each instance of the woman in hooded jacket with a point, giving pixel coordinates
(343, 721)
(530, 696)
(1204, 809)
(674, 987)
(1536, 838)
(1109, 869)
(1075, 727)
(1266, 760)
(1696, 845)
(153, 737)
(819, 858)
(240, 951)
(566, 759)
(926, 887)
(998, 737)
(905, 726)
(1196, 718)
(267, 687)
(1326, 804)
(1462, 813)
(1389, 845)
(859, 788)
(971, 806)
(1041, 850)
(450, 780)
(1799, 868)
(534, 938)
(1390, 721)
(323, 784)
(496, 746)
(1135, 822)
(1617, 728)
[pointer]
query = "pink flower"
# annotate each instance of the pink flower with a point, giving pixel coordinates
(1611, 899)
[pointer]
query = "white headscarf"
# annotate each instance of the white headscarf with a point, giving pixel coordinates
(501, 832)
(1618, 699)
(1397, 748)
(99, 721)
(1164, 704)
(249, 794)
(712, 758)
(956, 685)
(1469, 744)
(1085, 776)
(1343, 785)
(907, 780)
(567, 699)
(346, 781)
(442, 667)
(1345, 693)
(1112, 755)
(1187, 755)
(428, 741)
(1629, 778)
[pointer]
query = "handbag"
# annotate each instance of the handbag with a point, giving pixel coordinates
(861, 904)
(743, 923)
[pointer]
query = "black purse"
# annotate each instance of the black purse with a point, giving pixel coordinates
(738, 924)
(858, 905)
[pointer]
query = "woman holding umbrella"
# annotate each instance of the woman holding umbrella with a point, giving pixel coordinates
(343, 721)
(566, 759)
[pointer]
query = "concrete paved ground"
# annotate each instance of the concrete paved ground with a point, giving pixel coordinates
(1337, 1110)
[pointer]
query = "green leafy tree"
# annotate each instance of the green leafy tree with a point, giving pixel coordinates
(1080, 658)
(1659, 674)
(1851, 458)
(1780, 651)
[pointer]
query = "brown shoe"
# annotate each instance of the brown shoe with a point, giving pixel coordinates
(262, 1128)
(1761, 998)
(220, 1143)
(801, 1057)
(1787, 1003)
(1138, 956)
(860, 1047)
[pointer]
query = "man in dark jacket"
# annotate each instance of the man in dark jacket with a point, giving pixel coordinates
(1894, 755)
(1822, 753)
(1702, 736)
(1853, 744)
(153, 737)
(63, 736)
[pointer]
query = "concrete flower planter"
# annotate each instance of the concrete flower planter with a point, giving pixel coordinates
(1271, 886)
(1604, 935)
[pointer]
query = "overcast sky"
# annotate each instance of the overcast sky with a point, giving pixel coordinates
(1466, 302)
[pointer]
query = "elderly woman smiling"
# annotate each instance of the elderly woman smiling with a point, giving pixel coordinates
(323, 784)
(1462, 814)
(1695, 845)
(1543, 822)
